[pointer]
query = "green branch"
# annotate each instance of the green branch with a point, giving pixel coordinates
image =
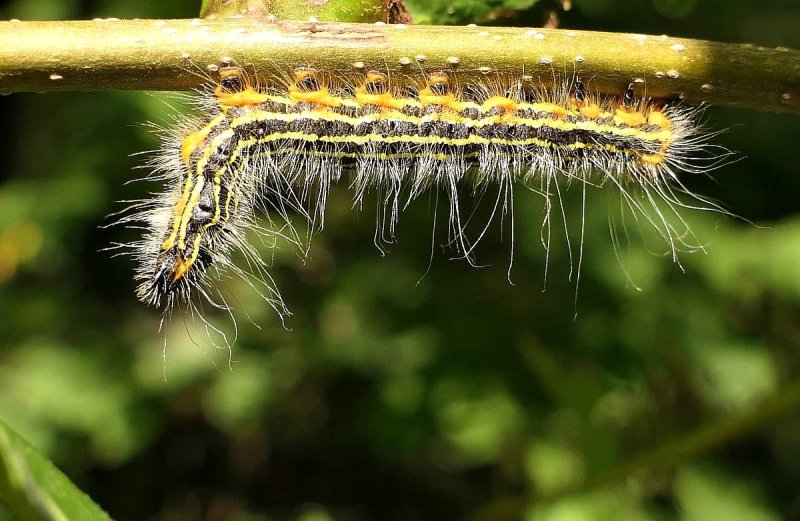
(173, 54)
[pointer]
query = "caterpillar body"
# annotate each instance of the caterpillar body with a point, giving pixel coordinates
(281, 148)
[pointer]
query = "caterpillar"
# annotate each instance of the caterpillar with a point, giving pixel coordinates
(276, 150)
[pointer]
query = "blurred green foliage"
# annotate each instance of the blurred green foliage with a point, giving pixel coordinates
(35, 489)
(402, 392)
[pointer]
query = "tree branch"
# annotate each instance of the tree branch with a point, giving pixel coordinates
(169, 54)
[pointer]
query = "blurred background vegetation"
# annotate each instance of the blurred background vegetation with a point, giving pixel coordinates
(396, 396)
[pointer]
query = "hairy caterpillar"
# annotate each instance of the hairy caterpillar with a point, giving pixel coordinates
(279, 149)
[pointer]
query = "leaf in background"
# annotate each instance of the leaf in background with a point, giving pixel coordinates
(33, 488)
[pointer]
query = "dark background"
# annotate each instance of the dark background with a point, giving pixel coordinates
(396, 396)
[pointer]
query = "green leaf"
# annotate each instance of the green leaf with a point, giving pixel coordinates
(33, 488)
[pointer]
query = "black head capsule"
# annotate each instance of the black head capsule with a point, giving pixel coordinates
(168, 278)
(174, 276)
(160, 283)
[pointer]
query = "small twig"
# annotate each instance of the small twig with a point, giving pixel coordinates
(706, 437)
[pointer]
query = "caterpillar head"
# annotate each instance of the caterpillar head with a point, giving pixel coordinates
(198, 233)
(193, 226)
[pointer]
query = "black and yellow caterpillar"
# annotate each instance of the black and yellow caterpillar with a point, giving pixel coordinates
(402, 138)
